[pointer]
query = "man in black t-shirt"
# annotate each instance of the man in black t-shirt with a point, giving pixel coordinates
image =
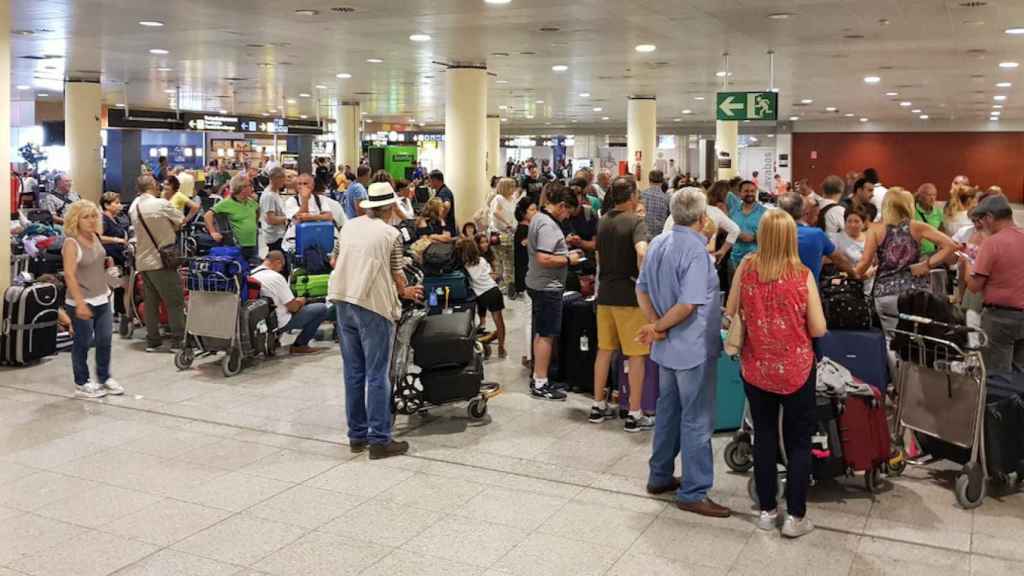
(532, 183)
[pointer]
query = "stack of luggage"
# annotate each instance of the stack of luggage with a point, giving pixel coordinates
(445, 285)
(451, 366)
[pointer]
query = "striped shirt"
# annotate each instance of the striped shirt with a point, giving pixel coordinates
(656, 203)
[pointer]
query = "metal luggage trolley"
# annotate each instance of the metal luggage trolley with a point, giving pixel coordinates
(213, 323)
(941, 394)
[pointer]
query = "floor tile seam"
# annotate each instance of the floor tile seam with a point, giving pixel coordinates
(305, 532)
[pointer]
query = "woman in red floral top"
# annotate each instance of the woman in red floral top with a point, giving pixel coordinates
(778, 300)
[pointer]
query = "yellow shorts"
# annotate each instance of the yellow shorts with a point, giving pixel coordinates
(617, 327)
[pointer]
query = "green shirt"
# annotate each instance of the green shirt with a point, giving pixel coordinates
(243, 217)
(934, 219)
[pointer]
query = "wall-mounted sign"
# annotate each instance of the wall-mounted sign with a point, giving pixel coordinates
(199, 122)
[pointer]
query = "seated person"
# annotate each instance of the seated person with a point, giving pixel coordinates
(432, 223)
(292, 313)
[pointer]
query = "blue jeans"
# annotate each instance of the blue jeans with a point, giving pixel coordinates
(95, 332)
(308, 319)
(366, 342)
(686, 411)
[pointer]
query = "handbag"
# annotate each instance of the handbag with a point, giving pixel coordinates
(734, 337)
(169, 256)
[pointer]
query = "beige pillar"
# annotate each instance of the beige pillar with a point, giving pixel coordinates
(494, 167)
(347, 142)
(641, 135)
(726, 151)
(465, 139)
(5, 146)
(82, 134)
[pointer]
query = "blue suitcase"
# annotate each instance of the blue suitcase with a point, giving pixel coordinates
(445, 290)
(318, 234)
(862, 352)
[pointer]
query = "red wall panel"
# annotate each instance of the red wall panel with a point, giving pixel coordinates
(909, 159)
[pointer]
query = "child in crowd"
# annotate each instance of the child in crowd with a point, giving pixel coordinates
(525, 211)
(469, 230)
(488, 295)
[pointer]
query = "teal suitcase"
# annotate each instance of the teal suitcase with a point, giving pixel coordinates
(729, 394)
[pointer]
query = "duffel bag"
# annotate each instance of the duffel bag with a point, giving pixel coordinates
(445, 340)
(845, 304)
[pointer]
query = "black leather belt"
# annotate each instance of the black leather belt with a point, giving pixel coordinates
(1006, 308)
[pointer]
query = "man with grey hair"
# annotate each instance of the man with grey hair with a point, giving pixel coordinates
(272, 215)
(603, 183)
(242, 211)
(831, 214)
(678, 293)
(57, 201)
(656, 201)
(812, 242)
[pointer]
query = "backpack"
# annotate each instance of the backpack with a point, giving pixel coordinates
(845, 305)
(924, 304)
(439, 258)
(822, 221)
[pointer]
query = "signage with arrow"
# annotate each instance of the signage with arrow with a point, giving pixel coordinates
(747, 106)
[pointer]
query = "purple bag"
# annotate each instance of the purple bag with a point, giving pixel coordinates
(649, 399)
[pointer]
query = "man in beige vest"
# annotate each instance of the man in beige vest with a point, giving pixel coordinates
(365, 287)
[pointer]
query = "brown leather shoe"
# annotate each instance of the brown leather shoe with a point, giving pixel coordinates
(706, 507)
(357, 446)
(304, 350)
(670, 487)
(393, 448)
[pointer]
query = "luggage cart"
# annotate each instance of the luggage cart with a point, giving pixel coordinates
(941, 395)
(214, 320)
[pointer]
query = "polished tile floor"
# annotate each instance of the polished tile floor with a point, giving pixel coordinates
(190, 473)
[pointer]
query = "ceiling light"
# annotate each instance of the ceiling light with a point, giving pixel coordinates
(303, 95)
(364, 113)
(677, 119)
(419, 37)
(222, 111)
(605, 118)
(872, 79)
(999, 97)
(170, 91)
(645, 48)
(303, 116)
(830, 109)
(158, 24)
(501, 81)
(891, 94)
(1009, 64)
(687, 111)
(698, 98)
(794, 118)
(42, 94)
(849, 114)
(343, 75)
(780, 16)
(807, 101)
(559, 68)
(539, 102)
(584, 94)
(598, 109)
(1014, 31)
(906, 104)
(994, 118)
(23, 87)
(504, 119)
(158, 51)
(1004, 84)
(863, 119)
(320, 87)
(723, 73)
(292, 100)
(264, 114)
(374, 60)
(923, 116)
(119, 105)
(995, 113)
(502, 107)
(915, 111)
(164, 69)
(997, 106)
(497, 1)
(306, 12)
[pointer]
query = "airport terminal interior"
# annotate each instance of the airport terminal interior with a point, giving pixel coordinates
(512, 287)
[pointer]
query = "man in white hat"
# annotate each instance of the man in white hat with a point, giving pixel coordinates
(365, 287)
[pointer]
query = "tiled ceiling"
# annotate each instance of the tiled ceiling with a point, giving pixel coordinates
(253, 56)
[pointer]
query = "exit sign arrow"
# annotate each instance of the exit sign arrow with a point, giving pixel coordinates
(728, 106)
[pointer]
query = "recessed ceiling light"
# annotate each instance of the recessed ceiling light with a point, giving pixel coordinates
(497, 1)
(119, 105)
(504, 119)
(303, 95)
(849, 114)
(539, 102)
(501, 81)
(915, 111)
(584, 94)
(23, 87)
(906, 104)
(923, 116)
(780, 16)
(999, 97)
(1009, 64)
(645, 48)
(264, 114)
(995, 113)
(222, 111)
(303, 116)
(891, 94)
(343, 75)
(677, 119)
(794, 118)
(830, 109)
(559, 68)
(723, 73)
(807, 101)
(872, 79)
(503, 107)
(863, 119)
(159, 51)
(687, 111)
(598, 109)
(170, 91)
(320, 87)
(292, 100)
(306, 12)
(605, 118)
(698, 98)
(419, 37)
(997, 106)
(164, 69)
(157, 23)
(374, 60)
(994, 118)
(1015, 31)
(1004, 84)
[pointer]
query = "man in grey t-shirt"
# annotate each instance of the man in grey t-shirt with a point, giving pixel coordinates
(545, 282)
(275, 223)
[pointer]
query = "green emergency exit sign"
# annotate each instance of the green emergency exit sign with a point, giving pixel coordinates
(747, 106)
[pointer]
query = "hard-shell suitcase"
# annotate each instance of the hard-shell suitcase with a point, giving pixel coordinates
(1004, 424)
(828, 450)
(445, 340)
(729, 394)
(453, 384)
(862, 352)
(314, 234)
(578, 344)
(29, 330)
(444, 290)
(310, 286)
(649, 397)
(864, 430)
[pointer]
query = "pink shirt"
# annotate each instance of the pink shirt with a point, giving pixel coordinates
(1001, 260)
(777, 355)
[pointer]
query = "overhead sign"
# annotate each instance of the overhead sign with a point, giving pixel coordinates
(747, 106)
(199, 122)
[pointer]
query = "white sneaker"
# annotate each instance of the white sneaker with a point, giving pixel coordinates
(768, 520)
(113, 387)
(90, 390)
(796, 527)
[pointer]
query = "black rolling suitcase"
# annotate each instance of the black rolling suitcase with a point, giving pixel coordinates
(578, 343)
(455, 384)
(29, 329)
(1004, 424)
(261, 322)
(445, 341)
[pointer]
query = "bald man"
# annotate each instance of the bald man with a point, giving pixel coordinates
(292, 313)
(926, 211)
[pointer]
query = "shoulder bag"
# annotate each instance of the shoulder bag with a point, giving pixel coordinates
(169, 256)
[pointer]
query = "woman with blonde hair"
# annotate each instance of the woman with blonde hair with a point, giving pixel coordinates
(962, 199)
(432, 224)
(88, 299)
(776, 298)
(503, 223)
(894, 244)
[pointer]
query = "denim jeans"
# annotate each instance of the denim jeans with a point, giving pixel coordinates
(366, 342)
(686, 414)
(798, 421)
(1005, 329)
(95, 332)
(308, 319)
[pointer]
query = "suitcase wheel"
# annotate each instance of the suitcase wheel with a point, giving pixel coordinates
(970, 486)
(477, 408)
(232, 363)
(183, 358)
(897, 463)
(407, 398)
(739, 456)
